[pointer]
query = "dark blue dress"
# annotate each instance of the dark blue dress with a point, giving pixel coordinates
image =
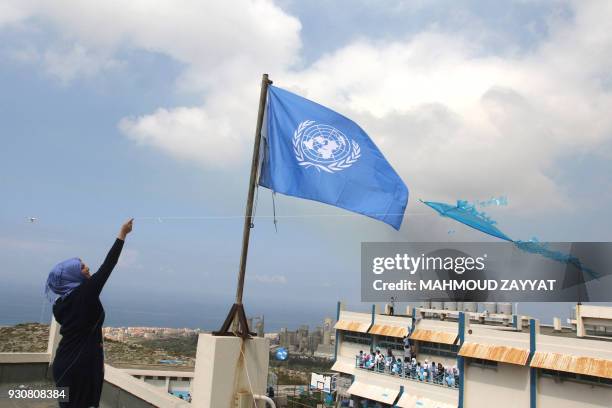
(79, 360)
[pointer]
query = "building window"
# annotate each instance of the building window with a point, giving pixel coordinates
(597, 331)
(386, 342)
(477, 362)
(359, 338)
(438, 349)
(581, 378)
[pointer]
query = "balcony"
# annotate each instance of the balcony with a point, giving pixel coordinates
(409, 372)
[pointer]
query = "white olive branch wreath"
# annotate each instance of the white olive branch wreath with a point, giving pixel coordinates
(330, 168)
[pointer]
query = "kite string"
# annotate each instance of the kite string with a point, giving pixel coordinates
(222, 217)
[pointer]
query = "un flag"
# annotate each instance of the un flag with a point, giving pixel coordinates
(313, 152)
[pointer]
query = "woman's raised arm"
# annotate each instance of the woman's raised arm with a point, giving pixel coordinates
(98, 279)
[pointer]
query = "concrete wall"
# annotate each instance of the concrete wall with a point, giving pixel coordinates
(157, 383)
(221, 371)
(507, 386)
(570, 394)
(348, 350)
(119, 391)
(446, 361)
(26, 373)
(443, 395)
(115, 397)
(127, 387)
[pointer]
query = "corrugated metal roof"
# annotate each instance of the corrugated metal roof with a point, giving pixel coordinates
(343, 367)
(408, 400)
(434, 336)
(596, 367)
(392, 331)
(352, 326)
(503, 354)
(374, 392)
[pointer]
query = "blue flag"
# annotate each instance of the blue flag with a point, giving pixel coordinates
(313, 152)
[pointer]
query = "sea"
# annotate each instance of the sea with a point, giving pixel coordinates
(19, 305)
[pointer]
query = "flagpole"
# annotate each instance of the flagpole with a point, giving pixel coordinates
(248, 217)
(237, 316)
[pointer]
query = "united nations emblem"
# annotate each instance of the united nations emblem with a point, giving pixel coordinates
(324, 147)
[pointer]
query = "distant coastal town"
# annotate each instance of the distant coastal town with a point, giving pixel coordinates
(125, 333)
(306, 341)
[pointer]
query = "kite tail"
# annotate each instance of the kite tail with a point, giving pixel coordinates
(541, 248)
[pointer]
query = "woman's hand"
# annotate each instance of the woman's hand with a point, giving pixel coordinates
(125, 229)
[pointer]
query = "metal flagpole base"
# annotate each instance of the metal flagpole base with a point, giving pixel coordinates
(236, 312)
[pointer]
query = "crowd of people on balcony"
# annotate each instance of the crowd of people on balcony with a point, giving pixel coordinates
(409, 367)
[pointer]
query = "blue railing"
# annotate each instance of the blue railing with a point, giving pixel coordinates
(410, 372)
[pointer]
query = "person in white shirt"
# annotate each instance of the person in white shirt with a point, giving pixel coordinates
(407, 349)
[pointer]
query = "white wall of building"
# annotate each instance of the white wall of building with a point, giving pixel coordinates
(348, 351)
(227, 366)
(570, 394)
(506, 386)
(446, 361)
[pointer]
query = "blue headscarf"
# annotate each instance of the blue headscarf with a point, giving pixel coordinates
(63, 279)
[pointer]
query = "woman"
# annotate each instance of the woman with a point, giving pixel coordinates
(380, 362)
(450, 378)
(397, 366)
(440, 373)
(79, 360)
(360, 359)
(407, 355)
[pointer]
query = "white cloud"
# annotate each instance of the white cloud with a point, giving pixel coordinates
(272, 279)
(460, 123)
(455, 119)
(13, 11)
(216, 40)
(66, 63)
(224, 47)
(77, 61)
(188, 133)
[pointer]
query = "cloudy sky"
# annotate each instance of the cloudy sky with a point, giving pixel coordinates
(147, 109)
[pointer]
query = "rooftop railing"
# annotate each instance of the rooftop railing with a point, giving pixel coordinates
(412, 372)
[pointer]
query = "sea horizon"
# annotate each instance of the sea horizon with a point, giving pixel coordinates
(27, 304)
